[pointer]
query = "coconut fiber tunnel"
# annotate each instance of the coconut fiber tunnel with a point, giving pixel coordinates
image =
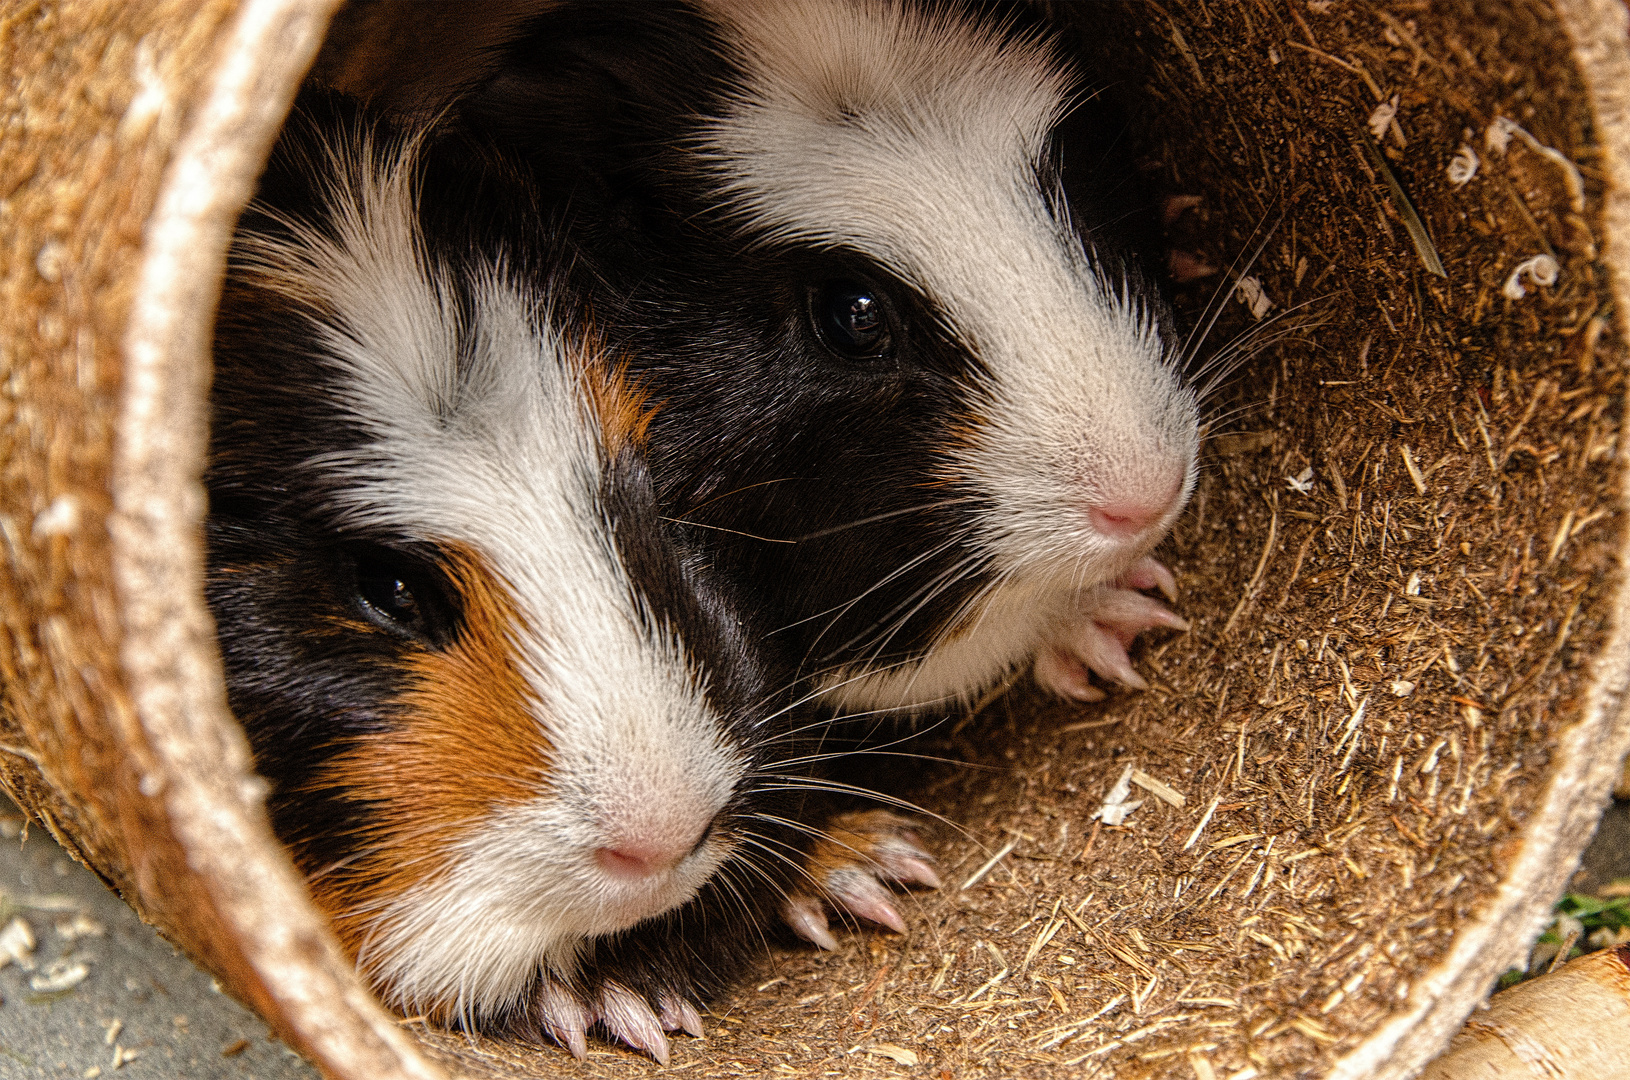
(1365, 773)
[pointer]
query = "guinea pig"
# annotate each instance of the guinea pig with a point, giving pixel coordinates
(918, 395)
(539, 768)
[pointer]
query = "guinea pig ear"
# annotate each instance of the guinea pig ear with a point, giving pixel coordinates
(592, 96)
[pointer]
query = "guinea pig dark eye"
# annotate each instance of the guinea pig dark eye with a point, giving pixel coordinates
(401, 597)
(852, 319)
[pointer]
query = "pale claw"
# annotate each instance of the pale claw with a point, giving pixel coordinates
(1111, 617)
(1127, 614)
(901, 855)
(627, 1016)
(678, 1014)
(1146, 573)
(1186, 266)
(807, 917)
(1173, 206)
(846, 868)
(563, 1018)
(856, 892)
(1066, 676)
(1102, 651)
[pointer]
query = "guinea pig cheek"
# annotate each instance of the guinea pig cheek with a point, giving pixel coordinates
(466, 744)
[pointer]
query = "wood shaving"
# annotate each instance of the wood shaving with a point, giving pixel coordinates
(1115, 808)
(1542, 270)
(1463, 166)
(60, 975)
(893, 1053)
(1249, 291)
(17, 944)
(1162, 791)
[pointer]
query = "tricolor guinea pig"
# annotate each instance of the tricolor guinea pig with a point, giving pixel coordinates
(917, 393)
(536, 765)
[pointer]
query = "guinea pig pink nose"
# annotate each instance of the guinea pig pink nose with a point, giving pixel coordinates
(1128, 516)
(1124, 520)
(638, 857)
(636, 860)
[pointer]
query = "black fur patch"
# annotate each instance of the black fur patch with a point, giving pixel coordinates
(827, 486)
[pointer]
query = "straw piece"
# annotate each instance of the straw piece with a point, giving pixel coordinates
(1159, 790)
(1004, 852)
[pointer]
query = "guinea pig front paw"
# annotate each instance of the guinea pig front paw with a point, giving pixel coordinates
(845, 870)
(622, 1014)
(1108, 620)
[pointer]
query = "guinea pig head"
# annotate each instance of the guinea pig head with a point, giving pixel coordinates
(928, 147)
(913, 387)
(498, 719)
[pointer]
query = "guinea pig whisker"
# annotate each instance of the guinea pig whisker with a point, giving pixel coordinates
(789, 825)
(1221, 375)
(737, 891)
(936, 505)
(976, 601)
(737, 491)
(1252, 339)
(868, 752)
(762, 843)
(905, 568)
(749, 862)
(927, 594)
(728, 890)
(1219, 298)
(736, 532)
(837, 787)
(1079, 98)
(907, 736)
(952, 623)
(1277, 317)
(788, 687)
(817, 833)
(1247, 337)
(725, 495)
(883, 715)
(916, 561)
(793, 733)
(1214, 426)
(813, 695)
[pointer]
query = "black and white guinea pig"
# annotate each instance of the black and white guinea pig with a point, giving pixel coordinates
(916, 394)
(532, 760)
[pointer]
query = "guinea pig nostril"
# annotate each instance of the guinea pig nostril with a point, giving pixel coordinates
(706, 835)
(1124, 520)
(1127, 515)
(644, 852)
(633, 860)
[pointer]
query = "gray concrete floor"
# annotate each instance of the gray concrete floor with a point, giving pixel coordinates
(140, 995)
(1608, 857)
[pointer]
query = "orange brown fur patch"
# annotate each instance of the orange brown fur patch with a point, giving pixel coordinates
(851, 840)
(622, 411)
(466, 742)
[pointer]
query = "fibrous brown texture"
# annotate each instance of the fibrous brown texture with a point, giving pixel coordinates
(1381, 747)
(132, 138)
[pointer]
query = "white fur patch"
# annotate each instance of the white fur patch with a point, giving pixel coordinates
(502, 456)
(915, 136)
